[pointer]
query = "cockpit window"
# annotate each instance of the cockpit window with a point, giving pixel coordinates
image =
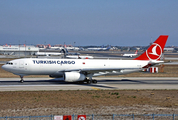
(9, 63)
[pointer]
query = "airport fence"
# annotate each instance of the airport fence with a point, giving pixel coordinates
(101, 117)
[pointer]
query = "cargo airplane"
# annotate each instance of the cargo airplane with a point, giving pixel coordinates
(82, 70)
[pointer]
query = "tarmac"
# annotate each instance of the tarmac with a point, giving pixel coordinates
(111, 83)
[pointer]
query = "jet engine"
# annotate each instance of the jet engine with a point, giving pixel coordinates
(74, 76)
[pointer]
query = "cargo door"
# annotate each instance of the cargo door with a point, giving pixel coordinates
(26, 65)
(21, 64)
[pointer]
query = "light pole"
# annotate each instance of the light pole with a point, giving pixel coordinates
(19, 48)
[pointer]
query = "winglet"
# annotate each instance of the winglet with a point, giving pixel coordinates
(155, 51)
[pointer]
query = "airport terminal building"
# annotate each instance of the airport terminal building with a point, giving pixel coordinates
(18, 50)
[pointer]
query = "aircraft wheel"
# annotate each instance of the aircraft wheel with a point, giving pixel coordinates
(88, 82)
(80, 82)
(94, 81)
(21, 81)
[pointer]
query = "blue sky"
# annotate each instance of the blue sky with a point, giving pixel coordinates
(88, 22)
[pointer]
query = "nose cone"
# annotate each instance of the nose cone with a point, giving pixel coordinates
(4, 67)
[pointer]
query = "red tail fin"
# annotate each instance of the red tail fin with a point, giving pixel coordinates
(136, 51)
(155, 51)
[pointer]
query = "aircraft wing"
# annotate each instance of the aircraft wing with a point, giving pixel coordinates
(102, 70)
(97, 70)
(108, 70)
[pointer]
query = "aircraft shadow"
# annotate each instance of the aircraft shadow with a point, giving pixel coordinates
(50, 82)
(128, 81)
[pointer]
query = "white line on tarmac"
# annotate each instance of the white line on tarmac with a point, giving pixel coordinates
(63, 85)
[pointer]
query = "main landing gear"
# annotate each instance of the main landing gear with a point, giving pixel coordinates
(87, 81)
(21, 79)
(90, 81)
(93, 81)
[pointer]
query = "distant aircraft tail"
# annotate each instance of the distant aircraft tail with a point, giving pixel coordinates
(155, 51)
(109, 47)
(136, 52)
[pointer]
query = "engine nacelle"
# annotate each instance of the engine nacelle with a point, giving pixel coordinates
(73, 76)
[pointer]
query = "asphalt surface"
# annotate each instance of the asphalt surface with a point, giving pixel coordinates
(30, 84)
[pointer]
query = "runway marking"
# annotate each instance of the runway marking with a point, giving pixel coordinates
(95, 88)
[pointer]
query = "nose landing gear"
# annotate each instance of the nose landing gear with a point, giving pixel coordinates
(21, 79)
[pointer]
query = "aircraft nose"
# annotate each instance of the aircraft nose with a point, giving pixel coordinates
(4, 67)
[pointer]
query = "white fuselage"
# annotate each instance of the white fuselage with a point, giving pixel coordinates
(35, 66)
